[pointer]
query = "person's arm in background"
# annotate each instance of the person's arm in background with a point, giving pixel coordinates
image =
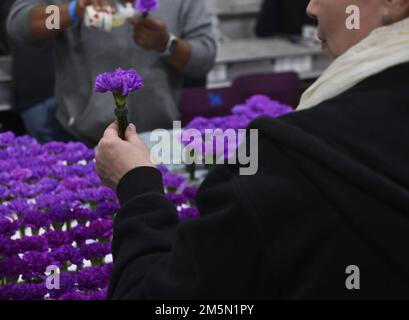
(195, 52)
(27, 18)
(199, 34)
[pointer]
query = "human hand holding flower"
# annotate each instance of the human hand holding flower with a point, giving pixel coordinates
(150, 33)
(115, 157)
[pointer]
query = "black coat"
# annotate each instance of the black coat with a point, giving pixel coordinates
(332, 190)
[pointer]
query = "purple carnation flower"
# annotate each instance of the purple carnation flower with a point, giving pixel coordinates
(101, 228)
(67, 254)
(67, 285)
(177, 199)
(123, 81)
(92, 278)
(188, 213)
(58, 238)
(147, 5)
(21, 174)
(190, 192)
(33, 243)
(11, 266)
(173, 181)
(95, 250)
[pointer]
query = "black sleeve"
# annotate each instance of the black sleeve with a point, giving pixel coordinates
(156, 257)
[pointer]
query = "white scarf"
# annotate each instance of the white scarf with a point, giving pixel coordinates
(382, 49)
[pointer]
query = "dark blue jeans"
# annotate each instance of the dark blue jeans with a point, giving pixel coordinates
(41, 123)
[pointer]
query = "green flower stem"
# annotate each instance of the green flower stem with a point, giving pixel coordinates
(121, 113)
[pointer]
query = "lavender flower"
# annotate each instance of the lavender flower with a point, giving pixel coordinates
(188, 213)
(122, 81)
(146, 6)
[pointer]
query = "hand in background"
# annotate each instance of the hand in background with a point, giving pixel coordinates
(115, 157)
(150, 33)
(97, 4)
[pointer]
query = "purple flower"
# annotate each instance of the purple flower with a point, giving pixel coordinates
(101, 228)
(12, 266)
(175, 182)
(67, 254)
(24, 291)
(33, 243)
(75, 295)
(36, 219)
(147, 5)
(80, 233)
(188, 213)
(8, 246)
(67, 285)
(37, 262)
(177, 199)
(95, 250)
(21, 174)
(92, 278)
(190, 192)
(8, 226)
(119, 81)
(58, 238)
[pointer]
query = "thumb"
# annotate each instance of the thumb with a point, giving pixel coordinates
(130, 134)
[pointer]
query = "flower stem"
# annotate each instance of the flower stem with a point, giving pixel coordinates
(121, 113)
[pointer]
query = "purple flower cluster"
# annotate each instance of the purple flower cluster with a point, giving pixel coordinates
(146, 6)
(122, 81)
(55, 212)
(240, 117)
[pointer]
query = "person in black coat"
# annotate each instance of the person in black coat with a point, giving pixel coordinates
(325, 216)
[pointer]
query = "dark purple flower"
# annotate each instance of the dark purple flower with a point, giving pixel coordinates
(36, 219)
(80, 233)
(188, 213)
(37, 262)
(101, 228)
(8, 226)
(190, 192)
(67, 254)
(101, 294)
(23, 291)
(123, 81)
(33, 243)
(147, 5)
(177, 199)
(8, 246)
(92, 278)
(67, 285)
(21, 174)
(75, 295)
(173, 181)
(58, 238)
(95, 250)
(11, 266)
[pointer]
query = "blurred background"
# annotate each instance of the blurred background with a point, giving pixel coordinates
(265, 47)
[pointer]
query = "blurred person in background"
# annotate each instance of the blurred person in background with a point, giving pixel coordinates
(327, 214)
(5, 6)
(282, 17)
(175, 41)
(33, 84)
